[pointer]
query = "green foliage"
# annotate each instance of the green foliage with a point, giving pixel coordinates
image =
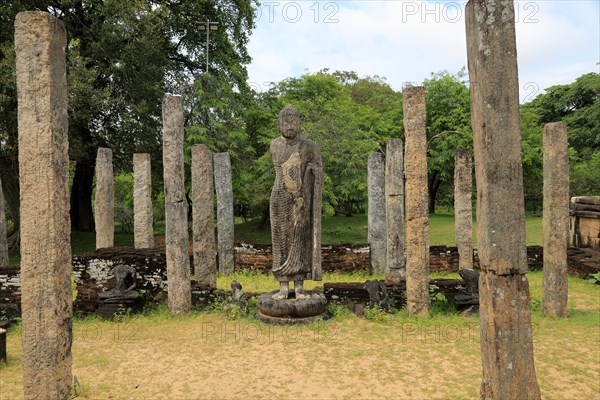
(124, 202)
(375, 314)
(595, 278)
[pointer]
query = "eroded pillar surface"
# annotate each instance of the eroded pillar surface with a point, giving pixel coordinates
(205, 252)
(3, 239)
(417, 201)
(395, 272)
(143, 228)
(178, 260)
(555, 223)
(463, 214)
(506, 342)
(104, 202)
(224, 192)
(46, 294)
(376, 216)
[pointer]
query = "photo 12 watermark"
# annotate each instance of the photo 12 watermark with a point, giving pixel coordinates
(293, 12)
(454, 12)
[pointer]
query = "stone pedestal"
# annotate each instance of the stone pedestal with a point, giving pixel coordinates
(104, 204)
(291, 311)
(506, 342)
(224, 191)
(143, 230)
(555, 223)
(205, 252)
(46, 299)
(463, 214)
(3, 239)
(417, 201)
(394, 213)
(377, 222)
(178, 260)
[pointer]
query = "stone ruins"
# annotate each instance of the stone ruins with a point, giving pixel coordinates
(504, 304)
(225, 222)
(376, 209)
(104, 203)
(417, 201)
(3, 238)
(178, 262)
(205, 252)
(463, 214)
(143, 227)
(555, 223)
(394, 212)
(46, 301)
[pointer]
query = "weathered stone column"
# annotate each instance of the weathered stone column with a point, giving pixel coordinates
(376, 217)
(46, 299)
(463, 214)
(143, 229)
(417, 201)
(555, 224)
(505, 315)
(395, 271)
(224, 191)
(3, 239)
(177, 245)
(104, 203)
(205, 252)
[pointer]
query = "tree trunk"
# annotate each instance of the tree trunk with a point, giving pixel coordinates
(82, 216)
(434, 185)
(9, 172)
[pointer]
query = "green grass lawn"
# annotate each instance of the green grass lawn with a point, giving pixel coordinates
(340, 229)
(335, 230)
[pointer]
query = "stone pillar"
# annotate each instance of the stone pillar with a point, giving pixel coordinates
(46, 299)
(376, 218)
(104, 204)
(143, 229)
(417, 201)
(463, 214)
(205, 252)
(3, 239)
(555, 225)
(395, 272)
(224, 191)
(505, 315)
(177, 242)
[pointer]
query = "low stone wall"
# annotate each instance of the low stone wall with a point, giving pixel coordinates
(584, 223)
(92, 272)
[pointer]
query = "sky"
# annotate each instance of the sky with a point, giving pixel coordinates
(405, 41)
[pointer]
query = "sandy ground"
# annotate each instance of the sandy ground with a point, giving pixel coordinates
(209, 357)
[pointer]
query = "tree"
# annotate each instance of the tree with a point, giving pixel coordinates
(123, 56)
(448, 128)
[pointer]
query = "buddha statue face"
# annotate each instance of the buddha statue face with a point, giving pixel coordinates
(288, 122)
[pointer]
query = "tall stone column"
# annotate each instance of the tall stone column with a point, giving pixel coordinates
(417, 201)
(205, 251)
(3, 239)
(224, 191)
(104, 203)
(177, 242)
(463, 214)
(46, 294)
(505, 315)
(395, 272)
(143, 229)
(376, 218)
(555, 224)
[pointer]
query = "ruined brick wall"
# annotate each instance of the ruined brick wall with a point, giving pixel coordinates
(92, 272)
